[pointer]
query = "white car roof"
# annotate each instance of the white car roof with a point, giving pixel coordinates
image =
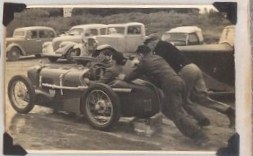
(85, 26)
(125, 24)
(34, 28)
(184, 29)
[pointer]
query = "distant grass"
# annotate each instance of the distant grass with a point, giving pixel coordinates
(158, 22)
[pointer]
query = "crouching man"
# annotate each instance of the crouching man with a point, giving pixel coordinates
(193, 77)
(164, 77)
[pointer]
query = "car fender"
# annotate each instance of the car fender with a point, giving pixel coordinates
(64, 47)
(23, 52)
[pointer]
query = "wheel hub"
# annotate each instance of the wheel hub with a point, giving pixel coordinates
(100, 105)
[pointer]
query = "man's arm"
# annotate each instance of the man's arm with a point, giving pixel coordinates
(108, 76)
(135, 73)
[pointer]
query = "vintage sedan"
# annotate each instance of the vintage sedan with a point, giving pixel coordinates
(62, 46)
(28, 41)
(125, 37)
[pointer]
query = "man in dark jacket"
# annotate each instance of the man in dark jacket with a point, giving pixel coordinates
(156, 68)
(193, 77)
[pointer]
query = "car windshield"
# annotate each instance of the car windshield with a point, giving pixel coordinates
(174, 37)
(116, 30)
(75, 31)
(19, 34)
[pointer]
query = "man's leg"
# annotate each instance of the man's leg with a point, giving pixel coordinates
(173, 109)
(199, 95)
(189, 74)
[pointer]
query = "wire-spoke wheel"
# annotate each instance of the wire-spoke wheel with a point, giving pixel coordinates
(101, 107)
(21, 94)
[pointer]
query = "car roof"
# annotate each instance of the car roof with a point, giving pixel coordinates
(85, 26)
(34, 28)
(184, 29)
(126, 24)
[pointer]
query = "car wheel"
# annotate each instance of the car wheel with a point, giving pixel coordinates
(38, 55)
(101, 107)
(72, 52)
(52, 59)
(14, 54)
(21, 94)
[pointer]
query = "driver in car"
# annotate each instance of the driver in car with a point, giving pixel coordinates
(117, 61)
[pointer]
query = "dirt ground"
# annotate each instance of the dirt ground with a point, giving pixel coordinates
(43, 130)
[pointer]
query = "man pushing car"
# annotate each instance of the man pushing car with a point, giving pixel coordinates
(156, 69)
(193, 77)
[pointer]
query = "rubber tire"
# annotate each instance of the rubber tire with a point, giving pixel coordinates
(115, 104)
(30, 89)
(52, 59)
(10, 55)
(68, 55)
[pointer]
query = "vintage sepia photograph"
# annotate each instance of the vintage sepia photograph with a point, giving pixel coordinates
(120, 78)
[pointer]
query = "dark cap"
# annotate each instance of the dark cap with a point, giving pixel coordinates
(150, 38)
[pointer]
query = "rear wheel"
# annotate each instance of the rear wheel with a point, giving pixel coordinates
(101, 107)
(52, 59)
(21, 94)
(14, 54)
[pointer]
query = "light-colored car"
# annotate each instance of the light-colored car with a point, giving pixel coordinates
(62, 46)
(28, 41)
(185, 35)
(124, 37)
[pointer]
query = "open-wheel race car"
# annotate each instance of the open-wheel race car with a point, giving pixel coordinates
(74, 89)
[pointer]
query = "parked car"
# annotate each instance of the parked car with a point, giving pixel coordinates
(216, 60)
(62, 46)
(28, 41)
(185, 35)
(124, 37)
(69, 89)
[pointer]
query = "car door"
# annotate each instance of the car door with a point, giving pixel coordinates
(31, 43)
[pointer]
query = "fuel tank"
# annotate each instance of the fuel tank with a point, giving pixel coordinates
(72, 77)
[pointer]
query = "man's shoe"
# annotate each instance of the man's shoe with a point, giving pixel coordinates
(230, 112)
(204, 122)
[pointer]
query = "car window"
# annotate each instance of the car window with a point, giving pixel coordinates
(103, 31)
(32, 34)
(193, 39)
(116, 30)
(19, 33)
(76, 31)
(46, 34)
(175, 36)
(133, 30)
(93, 32)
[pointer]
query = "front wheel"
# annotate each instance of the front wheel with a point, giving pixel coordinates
(21, 94)
(14, 54)
(101, 107)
